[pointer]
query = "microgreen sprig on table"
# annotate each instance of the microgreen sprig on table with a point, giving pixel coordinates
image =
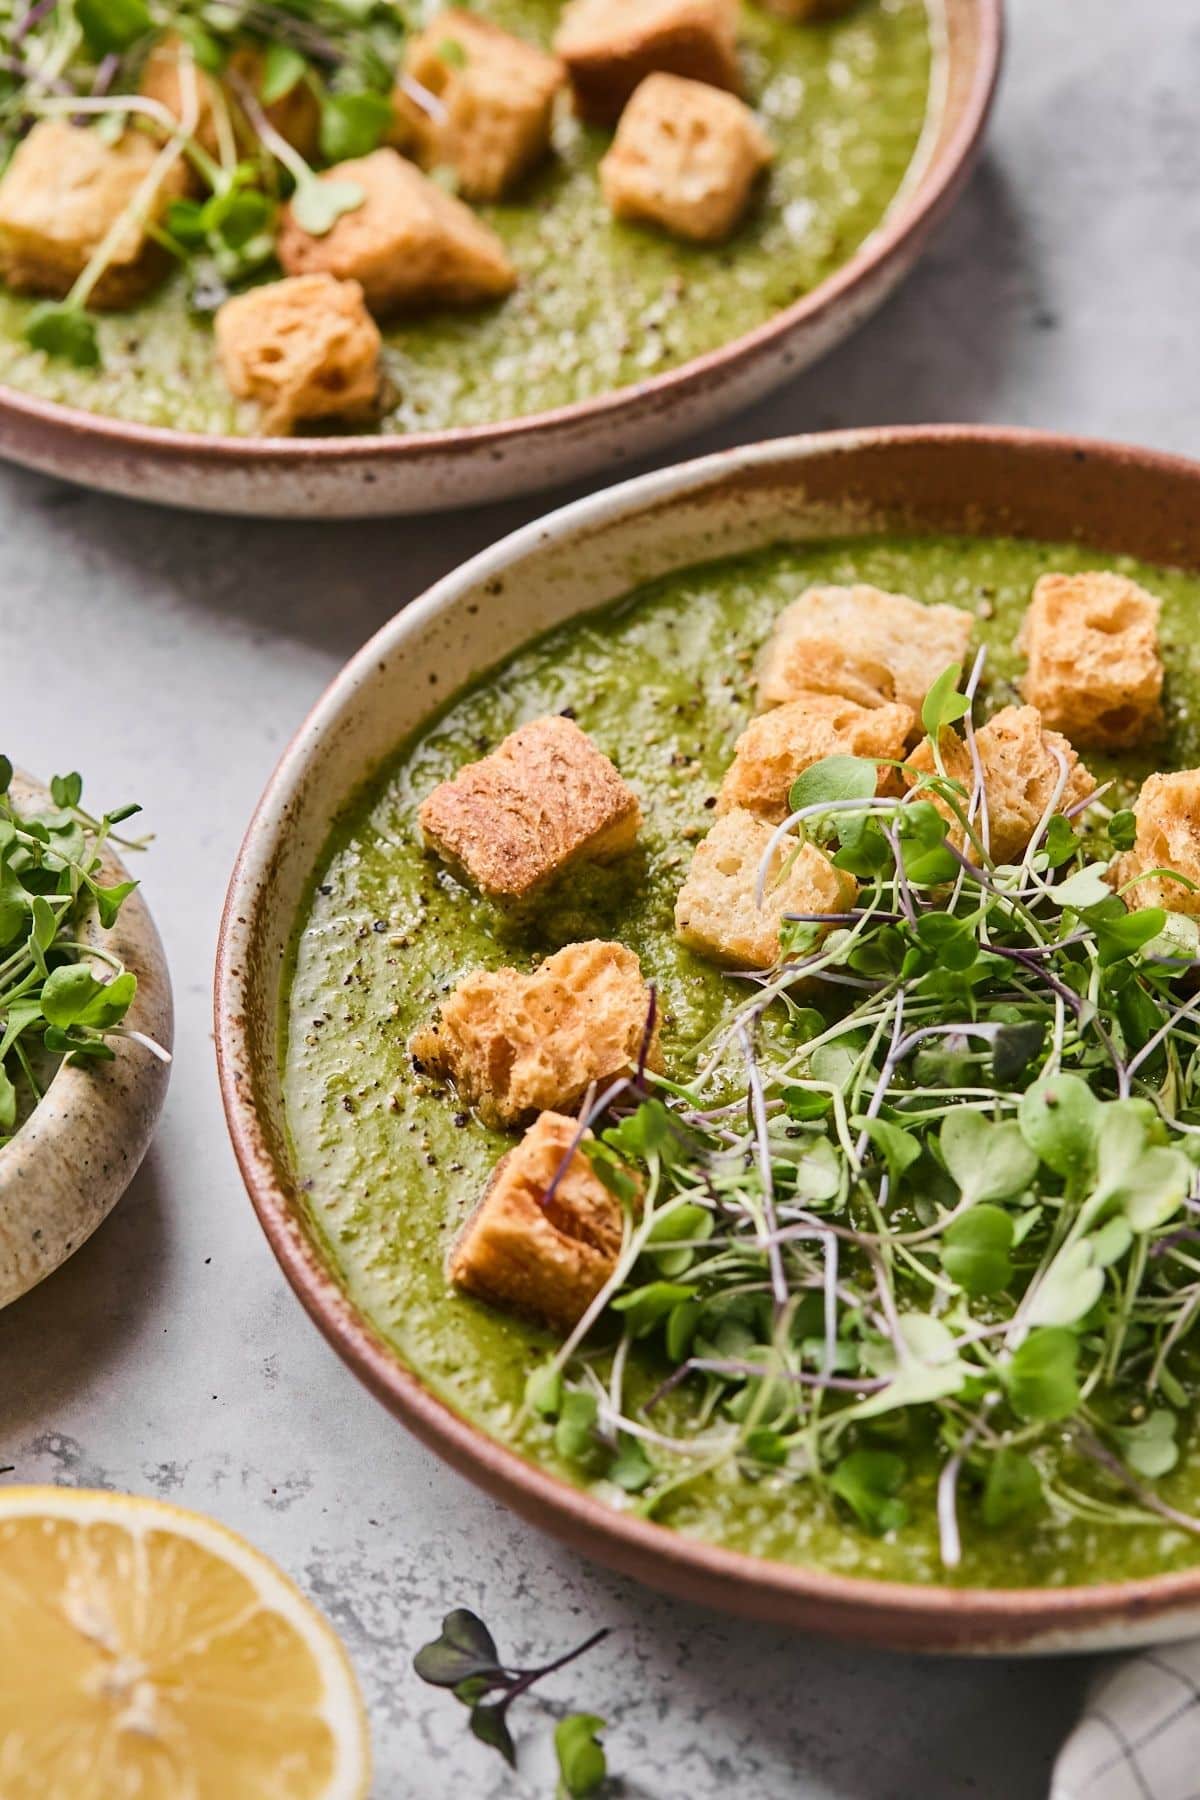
(464, 1658)
(52, 1005)
(934, 1184)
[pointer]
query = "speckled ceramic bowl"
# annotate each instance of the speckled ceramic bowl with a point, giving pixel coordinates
(346, 477)
(77, 1153)
(939, 480)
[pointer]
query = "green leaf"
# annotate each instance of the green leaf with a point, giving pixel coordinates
(645, 1306)
(869, 1482)
(681, 1328)
(490, 1726)
(899, 1148)
(953, 942)
(922, 832)
(975, 1250)
(68, 993)
(581, 1761)
(1149, 1448)
(1014, 1047)
(1120, 934)
(930, 1370)
(767, 1446)
(1086, 887)
(464, 1650)
(575, 1433)
(8, 1102)
(1042, 1377)
(66, 790)
(686, 1221)
(1122, 829)
(944, 705)
(988, 1161)
(66, 331)
(1013, 1487)
(283, 68)
(1060, 1118)
(15, 907)
(1070, 1286)
(111, 26)
(6, 774)
(544, 1390)
(353, 125)
(318, 205)
(1060, 842)
(109, 900)
(452, 53)
(631, 1468)
(833, 781)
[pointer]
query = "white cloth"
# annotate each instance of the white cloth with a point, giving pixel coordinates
(1139, 1736)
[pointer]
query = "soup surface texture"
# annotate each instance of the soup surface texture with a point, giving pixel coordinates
(661, 682)
(601, 304)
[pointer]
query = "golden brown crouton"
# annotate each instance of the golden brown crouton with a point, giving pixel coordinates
(685, 157)
(1094, 668)
(409, 244)
(543, 799)
(541, 1245)
(610, 46)
(295, 116)
(514, 1044)
(61, 194)
(493, 100)
(716, 914)
(1168, 837)
(1021, 774)
(859, 642)
(782, 743)
(303, 348)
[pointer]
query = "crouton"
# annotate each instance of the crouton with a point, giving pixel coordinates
(494, 102)
(715, 913)
(1094, 667)
(780, 744)
(1022, 773)
(685, 157)
(1168, 837)
(296, 115)
(610, 46)
(409, 244)
(61, 194)
(302, 348)
(863, 644)
(543, 799)
(543, 1239)
(515, 1044)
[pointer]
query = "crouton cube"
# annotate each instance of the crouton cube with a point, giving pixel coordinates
(1094, 667)
(493, 102)
(685, 157)
(543, 799)
(782, 743)
(610, 46)
(716, 914)
(543, 1239)
(62, 193)
(295, 115)
(1168, 837)
(515, 1044)
(409, 244)
(1024, 765)
(302, 348)
(863, 644)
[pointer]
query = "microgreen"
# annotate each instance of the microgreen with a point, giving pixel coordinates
(464, 1659)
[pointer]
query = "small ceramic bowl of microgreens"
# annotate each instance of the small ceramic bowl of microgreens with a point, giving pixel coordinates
(85, 1022)
(714, 1038)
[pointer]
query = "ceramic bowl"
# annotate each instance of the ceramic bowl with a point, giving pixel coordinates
(938, 480)
(347, 477)
(78, 1151)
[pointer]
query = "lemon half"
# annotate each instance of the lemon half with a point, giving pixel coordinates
(146, 1653)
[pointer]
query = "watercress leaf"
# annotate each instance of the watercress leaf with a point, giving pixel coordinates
(944, 705)
(1014, 1047)
(581, 1761)
(922, 832)
(645, 1306)
(353, 124)
(68, 993)
(988, 1161)
(1060, 1118)
(1123, 934)
(1122, 829)
(490, 1726)
(869, 1481)
(109, 1006)
(899, 1148)
(463, 1650)
(1060, 841)
(834, 780)
(1069, 1288)
(1042, 1377)
(631, 1468)
(1149, 1448)
(575, 1433)
(283, 68)
(952, 941)
(975, 1250)
(66, 331)
(317, 205)
(111, 26)
(544, 1390)
(1012, 1487)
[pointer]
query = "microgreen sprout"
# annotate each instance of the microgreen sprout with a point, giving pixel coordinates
(934, 1185)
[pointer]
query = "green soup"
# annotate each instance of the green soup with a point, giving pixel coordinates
(601, 305)
(660, 681)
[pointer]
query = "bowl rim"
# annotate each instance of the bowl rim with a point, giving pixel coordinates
(926, 1616)
(911, 215)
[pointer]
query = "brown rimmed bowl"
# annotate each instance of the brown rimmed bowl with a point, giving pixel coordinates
(949, 479)
(354, 476)
(75, 1155)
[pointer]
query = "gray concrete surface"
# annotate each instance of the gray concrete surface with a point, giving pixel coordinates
(170, 657)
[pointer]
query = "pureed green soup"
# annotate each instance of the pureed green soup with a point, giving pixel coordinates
(601, 304)
(661, 680)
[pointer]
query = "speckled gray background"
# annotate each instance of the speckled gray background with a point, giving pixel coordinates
(170, 657)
